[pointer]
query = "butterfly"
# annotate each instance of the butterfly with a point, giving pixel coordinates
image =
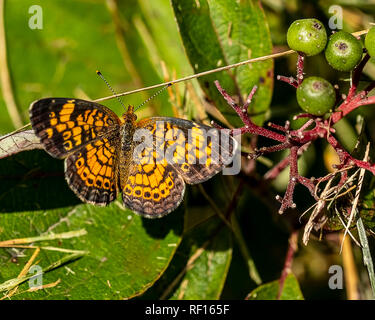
(106, 155)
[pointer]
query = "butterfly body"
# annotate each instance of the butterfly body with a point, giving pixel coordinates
(127, 132)
(106, 155)
(128, 129)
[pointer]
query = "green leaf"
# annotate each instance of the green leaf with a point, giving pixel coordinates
(36, 176)
(222, 32)
(269, 291)
(130, 33)
(127, 253)
(206, 275)
(200, 265)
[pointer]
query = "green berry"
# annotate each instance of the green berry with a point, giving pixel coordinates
(316, 96)
(343, 51)
(370, 42)
(308, 36)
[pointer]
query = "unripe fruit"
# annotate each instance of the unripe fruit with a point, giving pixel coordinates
(316, 96)
(343, 51)
(307, 35)
(370, 42)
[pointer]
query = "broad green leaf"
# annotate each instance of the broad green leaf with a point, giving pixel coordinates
(33, 180)
(269, 291)
(200, 265)
(142, 65)
(222, 32)
(127, 253)
(206, 278)
(163, 39)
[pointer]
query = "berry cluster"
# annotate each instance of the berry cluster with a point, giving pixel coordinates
(319, 100)
(342, 50)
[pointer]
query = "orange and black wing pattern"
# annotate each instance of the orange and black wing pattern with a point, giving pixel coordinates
(87, 135)
(153, 190)
(66, 125)
(177, 151)
(196, 151)
(92, 171)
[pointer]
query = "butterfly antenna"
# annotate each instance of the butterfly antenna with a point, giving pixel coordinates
(110, 88)
(153, 96)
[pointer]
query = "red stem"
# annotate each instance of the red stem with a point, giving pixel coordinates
(300, 67)
(293, 240)
(299, 140)
(356, 76)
